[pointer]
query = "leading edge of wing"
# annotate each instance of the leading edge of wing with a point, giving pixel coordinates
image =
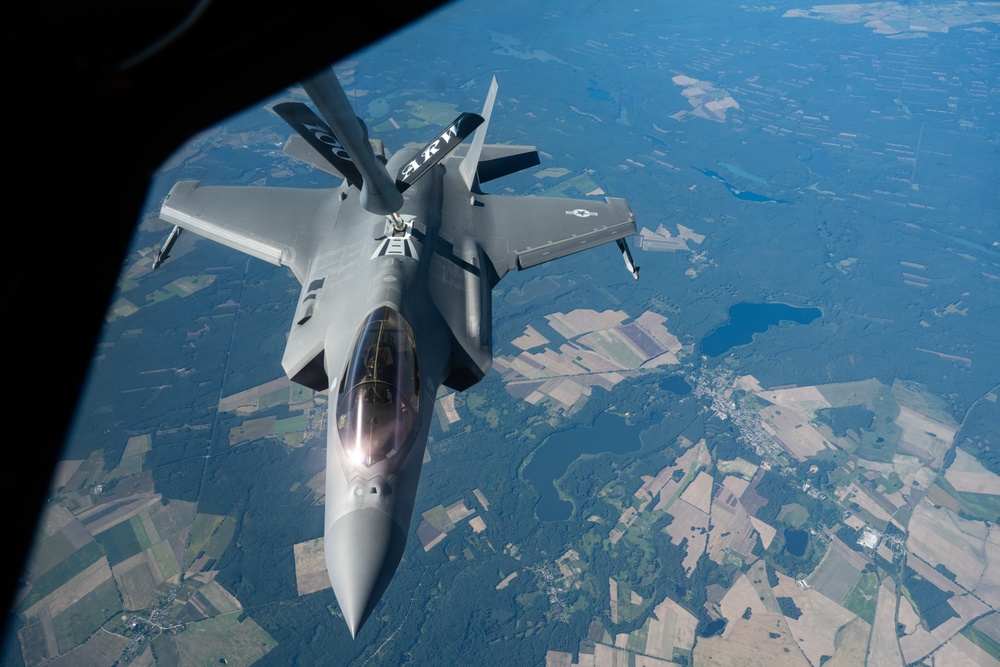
(528, 231)
(277, 225)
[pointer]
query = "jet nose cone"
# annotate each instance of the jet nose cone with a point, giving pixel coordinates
(363, 549)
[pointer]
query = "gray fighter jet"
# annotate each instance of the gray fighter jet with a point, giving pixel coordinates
(397, 274)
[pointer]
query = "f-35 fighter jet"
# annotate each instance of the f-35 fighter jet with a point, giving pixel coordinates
(397, 266)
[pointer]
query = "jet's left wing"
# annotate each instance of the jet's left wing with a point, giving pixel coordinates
(282, 226)
(520, 232)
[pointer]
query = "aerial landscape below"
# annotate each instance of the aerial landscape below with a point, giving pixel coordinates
(780, 446)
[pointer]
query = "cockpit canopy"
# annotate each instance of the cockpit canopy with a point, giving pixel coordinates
(380, 392)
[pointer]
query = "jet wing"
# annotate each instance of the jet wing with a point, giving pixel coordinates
(527, 231)
(278, 225)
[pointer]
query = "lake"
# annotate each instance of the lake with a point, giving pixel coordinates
(609, 434)
(675, 384)
(796, 542)
(745, 195)
(747, 319)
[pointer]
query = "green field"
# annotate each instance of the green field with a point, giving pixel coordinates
(140, 533)
(290, 425)
(213, 640)
(438, 517)
(74, 625)
(437, 114)
(862, 598)
(843, 394)
(881, 442)
(276, 397)
(983, 641)
(58, 575)
(300, 393)
(221, 538)
(582, 184)
(637, 639)
(691, 474)
(613, 348)
(890, 485)
(203, 528)
(120, 542)
(794, 514)
(216, 595)
(166, 651)
(165, 560)
(48, 552)
(159, 295)
(978, 505)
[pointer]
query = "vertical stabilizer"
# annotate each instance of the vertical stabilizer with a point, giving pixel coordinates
(471, 161)
(378, 191)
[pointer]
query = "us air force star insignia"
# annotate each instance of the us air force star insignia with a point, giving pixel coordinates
(581, 213)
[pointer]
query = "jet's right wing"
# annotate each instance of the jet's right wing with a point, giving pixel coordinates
(282, 226)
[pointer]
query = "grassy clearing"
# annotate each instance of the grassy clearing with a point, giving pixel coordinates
(688, 478)
(794, 514)
(637, 639)
(862, 598)
(202, 530)
(221, 538)
(890, 485)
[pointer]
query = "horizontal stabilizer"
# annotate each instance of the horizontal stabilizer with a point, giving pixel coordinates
(499, 160)
(321, 138)
(298, 148)
(437, 149)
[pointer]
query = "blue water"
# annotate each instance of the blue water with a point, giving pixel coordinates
(675, 384)
(598, 94)
(745, 195)
(656, 140)
(714, 628)
(609, 433)
(819, 163)
(742, 172)
(747, 319)
(796, 542)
